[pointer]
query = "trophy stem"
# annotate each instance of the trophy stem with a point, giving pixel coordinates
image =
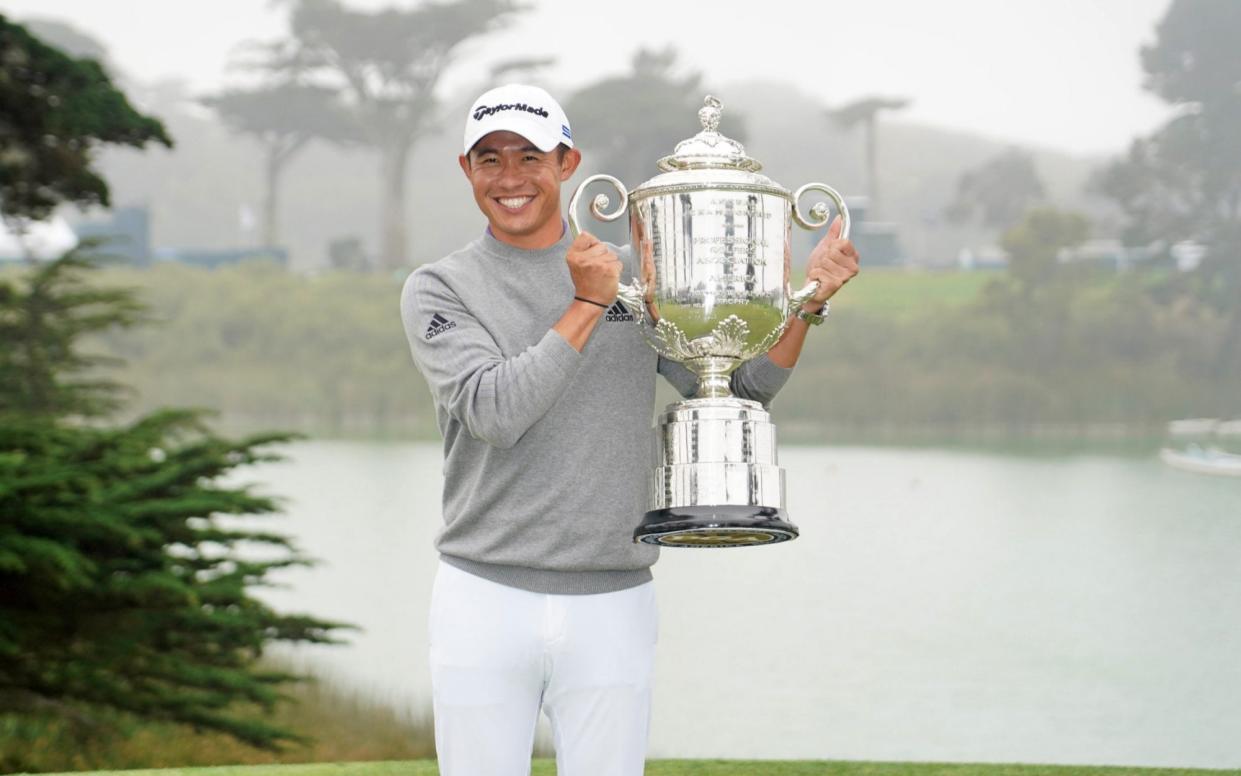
(713, 386)
(714, 376)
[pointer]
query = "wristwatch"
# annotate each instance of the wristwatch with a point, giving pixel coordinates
(814, 319)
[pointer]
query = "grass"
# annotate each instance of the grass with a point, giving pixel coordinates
(342, 725)
(696, 768)
(901, 293)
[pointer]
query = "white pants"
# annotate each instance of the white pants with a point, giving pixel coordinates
(499, 654)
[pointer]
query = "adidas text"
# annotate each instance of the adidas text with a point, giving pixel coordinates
(439, 325)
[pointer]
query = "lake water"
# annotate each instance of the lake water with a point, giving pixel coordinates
(939, 605)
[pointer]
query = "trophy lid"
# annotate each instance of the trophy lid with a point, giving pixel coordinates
(709, 149)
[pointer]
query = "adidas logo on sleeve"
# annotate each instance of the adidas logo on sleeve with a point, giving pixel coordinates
(439, 325)
(618, 312)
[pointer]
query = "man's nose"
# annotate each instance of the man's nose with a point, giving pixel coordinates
(510, 171)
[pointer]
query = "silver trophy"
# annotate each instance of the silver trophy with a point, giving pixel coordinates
(711, 236)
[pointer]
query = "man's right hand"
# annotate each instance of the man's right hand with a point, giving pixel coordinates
(595, 269)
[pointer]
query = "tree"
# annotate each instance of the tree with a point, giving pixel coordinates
(122, 589)
(1183, 182)
(866, 112)
(40, 366)
(998, 191)
(386, 67)
(284, 117)
(1034, 245)
(54, 112)
(627, 123)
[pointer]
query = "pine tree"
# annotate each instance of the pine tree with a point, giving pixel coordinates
(122, 586)
(54, 111)
(125, 589)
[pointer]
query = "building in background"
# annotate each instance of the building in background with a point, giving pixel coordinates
(125, 234)
(877, 242)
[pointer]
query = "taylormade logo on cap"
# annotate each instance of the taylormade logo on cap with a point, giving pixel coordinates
(526, 110)
(484, 110)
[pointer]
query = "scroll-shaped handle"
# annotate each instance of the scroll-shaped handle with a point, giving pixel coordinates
(633, 296)
(600, 202)
(818, 213)
(818, 217)
(630, 294)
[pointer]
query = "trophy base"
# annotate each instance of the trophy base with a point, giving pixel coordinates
(715, 526)
(716, 482)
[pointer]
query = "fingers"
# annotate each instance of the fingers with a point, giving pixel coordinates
(583, 241)
(833, 263)
(835, 251)
(830, 281)
(833, 231)
(594, 268)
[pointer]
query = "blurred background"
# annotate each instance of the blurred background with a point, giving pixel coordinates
(1012, 449)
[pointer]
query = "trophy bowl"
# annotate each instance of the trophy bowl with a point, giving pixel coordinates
(711, 236)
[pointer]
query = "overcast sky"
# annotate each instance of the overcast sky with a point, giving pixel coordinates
(1054, 73)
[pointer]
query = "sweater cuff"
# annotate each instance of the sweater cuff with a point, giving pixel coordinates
(764, 378)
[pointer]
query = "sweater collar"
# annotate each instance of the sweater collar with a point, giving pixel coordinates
(512, 253)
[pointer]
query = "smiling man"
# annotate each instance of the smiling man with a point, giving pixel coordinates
(542, 601)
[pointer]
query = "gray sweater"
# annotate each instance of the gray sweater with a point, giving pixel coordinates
(547, 450)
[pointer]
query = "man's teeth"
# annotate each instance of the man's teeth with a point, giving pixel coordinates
(514, 202)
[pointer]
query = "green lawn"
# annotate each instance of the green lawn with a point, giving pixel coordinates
(901, 293)
(687, 768)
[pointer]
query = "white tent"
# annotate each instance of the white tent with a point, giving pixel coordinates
(42, 239)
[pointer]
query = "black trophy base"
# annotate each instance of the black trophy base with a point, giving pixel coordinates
(728, 525)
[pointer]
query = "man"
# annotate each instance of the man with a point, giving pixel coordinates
(542, 599)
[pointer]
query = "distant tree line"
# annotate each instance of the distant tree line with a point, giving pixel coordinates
(1046, 344)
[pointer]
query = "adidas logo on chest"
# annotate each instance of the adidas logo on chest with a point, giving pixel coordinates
(618, 312)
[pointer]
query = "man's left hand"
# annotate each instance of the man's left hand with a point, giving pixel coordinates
(833, 262)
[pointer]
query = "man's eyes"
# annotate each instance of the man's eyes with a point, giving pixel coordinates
(491, 161)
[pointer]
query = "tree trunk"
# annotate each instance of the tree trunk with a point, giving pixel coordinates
(872, 166)
(393, 254)
(271, 197)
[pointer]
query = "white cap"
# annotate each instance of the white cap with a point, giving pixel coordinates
(527, 110)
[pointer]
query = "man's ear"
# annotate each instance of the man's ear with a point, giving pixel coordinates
(464, 161)
(569, 162)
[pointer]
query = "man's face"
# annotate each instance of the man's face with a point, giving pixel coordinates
(517, 187)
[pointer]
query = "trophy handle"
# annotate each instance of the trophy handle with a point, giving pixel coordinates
(818, 217)
(599, 203)
(630, 294)
(818, 213)
(633, 296)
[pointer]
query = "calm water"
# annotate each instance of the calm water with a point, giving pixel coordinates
(940, 605)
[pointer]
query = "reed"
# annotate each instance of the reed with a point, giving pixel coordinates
(339, 725)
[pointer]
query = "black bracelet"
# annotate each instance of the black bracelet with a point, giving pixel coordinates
(591, 301)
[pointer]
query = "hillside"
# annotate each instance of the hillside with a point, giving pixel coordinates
(197, 191)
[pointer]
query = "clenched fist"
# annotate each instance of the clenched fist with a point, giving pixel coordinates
(595, 269)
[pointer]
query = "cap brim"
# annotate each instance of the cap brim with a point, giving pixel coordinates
(534, 131)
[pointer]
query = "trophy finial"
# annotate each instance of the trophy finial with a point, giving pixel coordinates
(709, 149)
(709, 114)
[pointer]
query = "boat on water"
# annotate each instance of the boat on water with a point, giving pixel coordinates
(1202, 460)
(1201, 446)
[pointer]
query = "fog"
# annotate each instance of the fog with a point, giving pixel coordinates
(1056, 73)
